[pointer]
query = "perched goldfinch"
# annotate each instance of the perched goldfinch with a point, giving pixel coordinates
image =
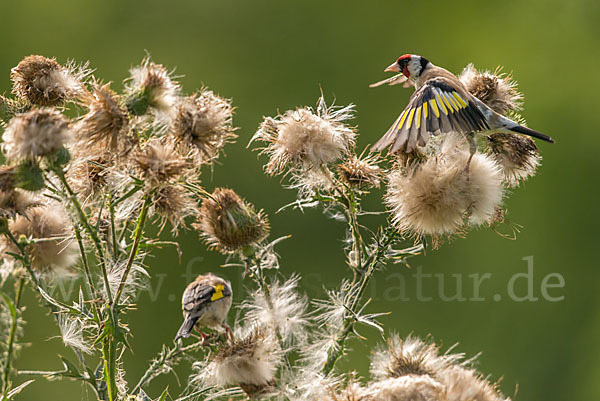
(205, 303)
(440, 104)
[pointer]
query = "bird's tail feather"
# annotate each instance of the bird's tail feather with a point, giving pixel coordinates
(527, 131)
(186, 328)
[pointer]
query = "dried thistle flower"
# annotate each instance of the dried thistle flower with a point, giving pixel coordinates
(230, 224)
(251, 361)
(173, 204)
(464, 384)
(39, 132)
(518, 156)
(151, 87)
(44, 82)
(106, 122)
(361, 171)
(203, 124)
(497, 90)
(406, 388)
(159, 162)
(485, 190)
(437, 195)
(414, 370)
(307, 138)
(16, 201)
(410, 356)
(51, 246)
(87, 175)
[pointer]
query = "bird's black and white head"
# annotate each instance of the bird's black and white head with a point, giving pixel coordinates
(411, 65)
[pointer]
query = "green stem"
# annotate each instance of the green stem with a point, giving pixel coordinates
(135, 247)
(110, 367)
(12, 335)
(365, 275)
(115, 244)
(86, 267)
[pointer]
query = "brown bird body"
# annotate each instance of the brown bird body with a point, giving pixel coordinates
(205, 303)
(440, 104)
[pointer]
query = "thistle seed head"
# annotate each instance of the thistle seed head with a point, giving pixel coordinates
(43, 81)
(39, 132)
(203, 125)
(174, 204)
(51, 247)
(251, 361)
(17, 202)
(517, 155)
(497, 90)
(229, 224)
(306, 138)
(105, 124)
(151, 88)
(361, 171)
(438, 196)
(88, 175)
(159, 162)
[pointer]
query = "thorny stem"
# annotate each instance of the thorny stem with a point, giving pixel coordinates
(162, 359)
(11, 337)
(366, 274)
(92, 233)
(113, 231)
(110, 367)
(86, 267)
(135, 247)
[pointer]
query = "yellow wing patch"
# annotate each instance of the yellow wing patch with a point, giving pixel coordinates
(425, 111)
(418, 117)
(459, 99)
(447, 102)
(434, 107)
(218, 292)
(410, 118)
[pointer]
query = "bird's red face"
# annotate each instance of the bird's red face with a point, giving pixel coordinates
(401, 65)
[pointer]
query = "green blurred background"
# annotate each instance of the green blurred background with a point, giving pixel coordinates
(275, 55)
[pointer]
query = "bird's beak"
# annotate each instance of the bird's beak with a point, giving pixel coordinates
(392, 68)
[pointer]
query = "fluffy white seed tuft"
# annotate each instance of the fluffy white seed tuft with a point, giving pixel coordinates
(307, 138)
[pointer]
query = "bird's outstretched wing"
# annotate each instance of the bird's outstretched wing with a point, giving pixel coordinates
(437, 107)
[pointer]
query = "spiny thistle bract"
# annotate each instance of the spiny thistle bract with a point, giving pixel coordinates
(78, 194)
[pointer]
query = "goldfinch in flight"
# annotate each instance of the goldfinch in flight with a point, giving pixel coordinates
(205, 303)
(440, 104)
